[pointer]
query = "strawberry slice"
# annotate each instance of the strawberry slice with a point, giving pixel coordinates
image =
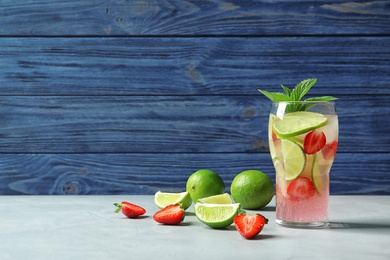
(329, 150)
(301, 188)
(274, 137)
(249, 225)
(129, 210)
(170, 215)
(314, 141)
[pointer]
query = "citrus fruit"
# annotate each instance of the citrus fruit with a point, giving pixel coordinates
(216, 215)
(297, 123)
(252, 189)
(316, 175)
(294, 159)
(204, 183)
(163, 199)
(224, 198)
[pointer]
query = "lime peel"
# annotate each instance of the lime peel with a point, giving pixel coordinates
(163, 199)
(297, 123)
(224, 198)
(294, 159)
(316, 175)
(216, 215)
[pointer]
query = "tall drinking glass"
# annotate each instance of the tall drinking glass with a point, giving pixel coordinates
(303, 139)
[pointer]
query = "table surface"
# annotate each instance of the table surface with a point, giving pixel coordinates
(75, 227)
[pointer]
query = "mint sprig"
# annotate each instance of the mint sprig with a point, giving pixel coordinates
(296, 94)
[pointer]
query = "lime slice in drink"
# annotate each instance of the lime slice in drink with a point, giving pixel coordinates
(297, 123)
(316, 175)
(294, 159)
(224, 198)
(216, 215)
(163, 199)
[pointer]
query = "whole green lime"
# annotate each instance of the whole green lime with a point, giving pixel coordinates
(204, 183)
(252, 189)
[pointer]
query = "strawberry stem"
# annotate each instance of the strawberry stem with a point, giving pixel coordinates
(119, 207)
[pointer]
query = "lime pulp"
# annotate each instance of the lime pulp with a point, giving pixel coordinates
(294, 159)
(216, 215)
(298, 123)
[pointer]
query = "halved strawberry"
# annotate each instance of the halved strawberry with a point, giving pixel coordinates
(171, 215)
(249, 225)
(329, 150)
(301, 188)
(314, 141)
(129, 210)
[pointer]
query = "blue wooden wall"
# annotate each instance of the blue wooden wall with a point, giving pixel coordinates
(132, 96)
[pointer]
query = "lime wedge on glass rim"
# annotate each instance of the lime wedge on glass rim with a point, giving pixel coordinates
(224, 198)
(216, 215)
(294, 159)
(163, 199)
(296, 123)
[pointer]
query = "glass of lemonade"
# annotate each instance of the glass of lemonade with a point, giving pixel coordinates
(303, 139)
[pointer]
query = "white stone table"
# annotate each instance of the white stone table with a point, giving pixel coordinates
(86, 227)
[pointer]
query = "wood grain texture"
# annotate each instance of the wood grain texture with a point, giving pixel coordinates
(196, 124)
(131, 97)
(83, 174)
(195, 17)
(192, 66)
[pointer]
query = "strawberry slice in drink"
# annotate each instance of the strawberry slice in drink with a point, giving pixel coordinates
(329, 150)
(314, 142)
(301, 188)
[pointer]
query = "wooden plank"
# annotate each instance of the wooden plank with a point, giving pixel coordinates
(193, 17)
(164, 124)
(57, 174)
(192, 66)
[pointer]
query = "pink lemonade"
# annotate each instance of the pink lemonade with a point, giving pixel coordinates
(302, 156)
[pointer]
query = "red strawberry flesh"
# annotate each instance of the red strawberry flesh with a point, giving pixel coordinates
(130, 210)
(329, 150)
(170, 215)
(314, 142)
(250, 226)
(301, 188)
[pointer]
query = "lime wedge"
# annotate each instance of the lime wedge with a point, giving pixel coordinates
(316, 175)
(163, 199)
(294, 159)
(297, 123)
(224, 198)
(216, 215)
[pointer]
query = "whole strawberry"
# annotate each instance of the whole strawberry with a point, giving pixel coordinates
(249, 225)
(170, 215)
(129, 210)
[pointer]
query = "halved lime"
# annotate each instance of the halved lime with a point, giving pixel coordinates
(224, 198)
(294, 159)
(163, 199)
(216, 215)
(297, 123)
(316, 175)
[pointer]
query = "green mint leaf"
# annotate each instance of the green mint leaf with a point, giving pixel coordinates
(301, 89)
(275, 96)
(323, 98)
(296, 94)
(287, 91)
